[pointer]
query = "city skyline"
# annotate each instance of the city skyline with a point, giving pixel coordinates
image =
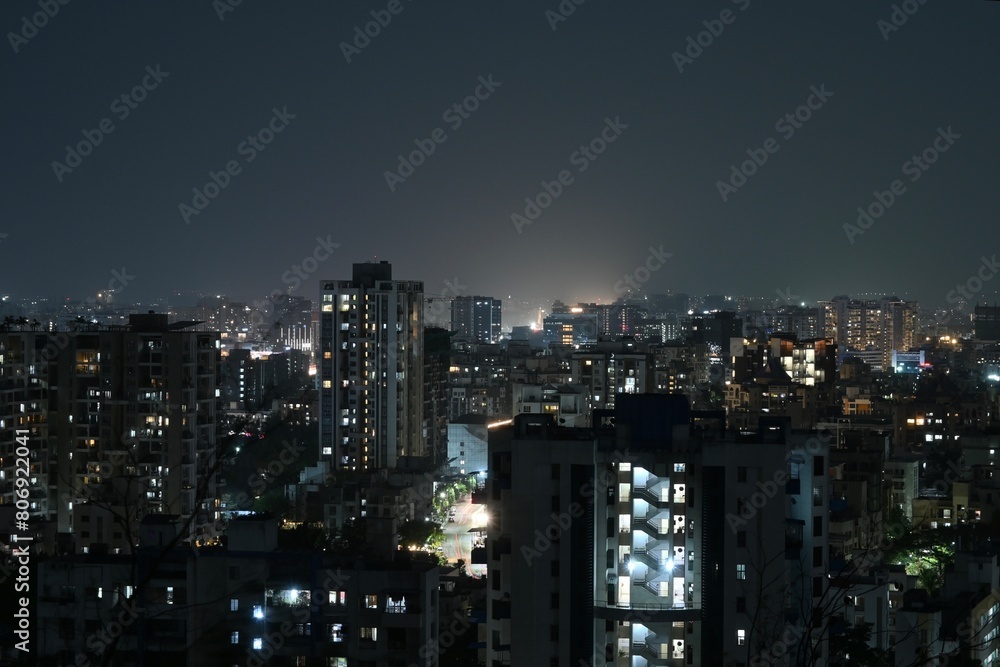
(531, 334)
(437, 307)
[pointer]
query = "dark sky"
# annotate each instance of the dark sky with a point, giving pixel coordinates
(323, 175)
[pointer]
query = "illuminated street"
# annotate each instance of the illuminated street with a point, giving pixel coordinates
(458, 542)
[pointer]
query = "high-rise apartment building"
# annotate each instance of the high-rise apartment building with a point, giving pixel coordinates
(716, 330)
(24, 385)
(123, 416)
(810, 362)
(798, 320)
(655, 538)
(899, 325)
(437, 350)
(290, 323)
(869, 324)
(371, 369)
(620, 319)
(573, 326)
(610, 368)
(140, 403)
(476, 318)
(987, 323)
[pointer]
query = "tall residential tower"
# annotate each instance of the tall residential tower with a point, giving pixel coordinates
(370, 369)
(476, 318)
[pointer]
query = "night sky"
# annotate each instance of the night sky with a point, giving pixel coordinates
(323, 174)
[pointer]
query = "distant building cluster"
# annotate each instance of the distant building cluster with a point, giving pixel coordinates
(665, 480)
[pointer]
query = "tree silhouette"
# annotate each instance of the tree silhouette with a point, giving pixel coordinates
(122, 500)
(889, 540)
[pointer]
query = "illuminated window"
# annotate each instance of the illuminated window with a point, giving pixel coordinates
(371, 602)
(741, 571)
(741, 637)
(336, 631)
(258, 643)
(234, 638)
(369, 634)
(286, 598)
